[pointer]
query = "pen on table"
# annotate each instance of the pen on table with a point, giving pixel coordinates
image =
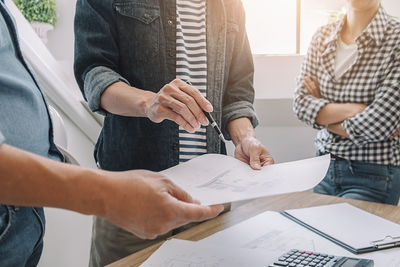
(212, 122)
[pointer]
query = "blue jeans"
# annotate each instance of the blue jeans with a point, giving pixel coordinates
(361, 180)
(21, 235)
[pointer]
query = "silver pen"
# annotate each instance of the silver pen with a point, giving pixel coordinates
(212, 122)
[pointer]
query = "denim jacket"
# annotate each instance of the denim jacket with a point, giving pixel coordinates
(134, 41)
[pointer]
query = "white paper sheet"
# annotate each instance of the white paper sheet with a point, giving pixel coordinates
(217, 179)
(273, 234)
(182, 253)
(348, 224)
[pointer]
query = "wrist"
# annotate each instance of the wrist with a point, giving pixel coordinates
(240, 129)
(145, 102)
(88, 192)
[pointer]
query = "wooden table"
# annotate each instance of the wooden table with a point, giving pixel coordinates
(246, 211)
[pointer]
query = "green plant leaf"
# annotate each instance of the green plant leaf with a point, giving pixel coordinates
(38, 10)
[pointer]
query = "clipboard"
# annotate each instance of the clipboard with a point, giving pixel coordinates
(354, 229)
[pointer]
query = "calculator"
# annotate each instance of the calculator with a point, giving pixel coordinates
(303, 258)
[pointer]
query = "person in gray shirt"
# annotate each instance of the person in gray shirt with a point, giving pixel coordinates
(32, 174)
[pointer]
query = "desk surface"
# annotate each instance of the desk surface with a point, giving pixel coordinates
(248, 210)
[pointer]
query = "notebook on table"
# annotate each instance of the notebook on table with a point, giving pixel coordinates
(354, 229)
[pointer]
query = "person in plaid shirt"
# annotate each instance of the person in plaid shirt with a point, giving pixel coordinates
(349, 88)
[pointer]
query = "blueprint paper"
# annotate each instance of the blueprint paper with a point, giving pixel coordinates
(217, 179)
(182, 253)
(272, 234)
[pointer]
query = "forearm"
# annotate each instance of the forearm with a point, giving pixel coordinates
(333, 113)
(337, 128)
(122, 99)
(44, 182)
(240, 128)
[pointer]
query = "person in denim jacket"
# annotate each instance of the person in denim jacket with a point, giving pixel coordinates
(133, 62)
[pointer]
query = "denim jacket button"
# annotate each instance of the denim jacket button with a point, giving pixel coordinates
(170, 22)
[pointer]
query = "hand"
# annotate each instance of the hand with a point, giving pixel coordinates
(395, 134)
(312, 86)
(252, 152)
(148, 204)
(181, 103)
(355, 108)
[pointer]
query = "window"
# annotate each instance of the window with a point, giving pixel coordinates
(287, 26)
(271, 26)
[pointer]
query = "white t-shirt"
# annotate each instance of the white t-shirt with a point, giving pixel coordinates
(346, 56)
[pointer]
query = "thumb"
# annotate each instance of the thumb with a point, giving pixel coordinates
(180, 194)
(255, 162)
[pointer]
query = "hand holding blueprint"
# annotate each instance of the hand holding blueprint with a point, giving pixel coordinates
(217, 179)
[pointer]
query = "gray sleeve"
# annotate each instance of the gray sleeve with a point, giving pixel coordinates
(96, 82)
(238, 110)
(2, 138)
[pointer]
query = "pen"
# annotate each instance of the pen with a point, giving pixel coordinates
(213, 123)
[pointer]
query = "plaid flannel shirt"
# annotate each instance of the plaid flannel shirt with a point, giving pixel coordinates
(374, 79)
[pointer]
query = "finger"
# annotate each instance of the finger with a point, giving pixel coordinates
(167, 99)
(193, 107)
(171, 115)
(307, 84)
(266, 159)
(315, 80)
(197, 213)
(255, 162)
(197, 96)
(183, 110)
(180, 194)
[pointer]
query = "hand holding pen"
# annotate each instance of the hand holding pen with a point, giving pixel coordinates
(179, 102)
(213, 123)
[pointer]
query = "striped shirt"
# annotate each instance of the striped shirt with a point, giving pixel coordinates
(191, 66)
(373, 79)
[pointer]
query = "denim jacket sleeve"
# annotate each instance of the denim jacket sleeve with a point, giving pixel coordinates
(239, 94)
(96, 50)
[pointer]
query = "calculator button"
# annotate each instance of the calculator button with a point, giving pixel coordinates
(281, 263)
(292, 264)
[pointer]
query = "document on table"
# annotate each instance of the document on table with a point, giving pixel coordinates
(182, 253)
(217, 179)
(273, 234)
(352, 228)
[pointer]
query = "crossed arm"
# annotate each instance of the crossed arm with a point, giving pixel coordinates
(332, 115)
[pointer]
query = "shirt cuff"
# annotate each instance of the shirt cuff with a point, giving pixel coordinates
(2, 138)
(238, 110)
(354, 136)
(307, 110)
(97, 81)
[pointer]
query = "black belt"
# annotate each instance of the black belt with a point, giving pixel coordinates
(334, 157)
